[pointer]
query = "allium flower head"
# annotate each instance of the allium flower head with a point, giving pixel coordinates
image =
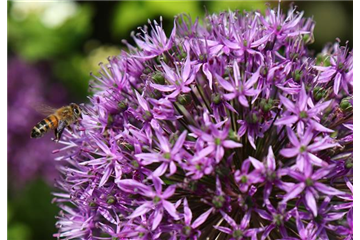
(229, 129)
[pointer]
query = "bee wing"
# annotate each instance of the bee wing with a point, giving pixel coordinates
(43, 109)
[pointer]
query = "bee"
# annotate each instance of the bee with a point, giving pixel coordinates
(59, 120)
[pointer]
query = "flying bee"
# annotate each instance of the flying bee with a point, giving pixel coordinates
(58, 120)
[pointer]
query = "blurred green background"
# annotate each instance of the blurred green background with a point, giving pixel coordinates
(70, 38)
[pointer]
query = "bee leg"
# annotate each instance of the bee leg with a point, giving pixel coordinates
(70, 129)
(59, 130)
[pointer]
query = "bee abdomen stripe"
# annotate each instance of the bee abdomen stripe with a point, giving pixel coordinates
(50, 120)
(43, 126)
(35, 129)
(35, 133)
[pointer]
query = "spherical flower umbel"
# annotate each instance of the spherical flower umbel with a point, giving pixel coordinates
(230, 129)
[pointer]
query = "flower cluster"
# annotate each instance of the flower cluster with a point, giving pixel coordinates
(229, 129)
(26, 89)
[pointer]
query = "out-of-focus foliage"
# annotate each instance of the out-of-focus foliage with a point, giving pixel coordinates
(79, 66)
(130, 14)
(47, 30)
(333, 20)
(54, 32)
(217, 6)
(16, 230)
(31, 214)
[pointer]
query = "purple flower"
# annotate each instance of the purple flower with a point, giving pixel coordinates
(162, 109)
(216, 141)
(304, 151)
(244, 43)
(245, 179)
(158, 199)
(340, 71)
(268, 173)
(325, 216)
(167, 156)
(302, 114)
(155, 43)
(278, 217)
(253, 127)
(240, 89)
(224, 130)
(179, 80)
(238, 231)
(280, 28)
(309, 184)
(189, 230)
(74, 224)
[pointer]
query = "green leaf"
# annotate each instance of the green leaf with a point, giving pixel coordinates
(129, 15)
(19, 231)
(33, 40)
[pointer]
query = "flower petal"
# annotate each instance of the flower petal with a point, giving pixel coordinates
(317, 161)
(205, 68)
(227, 218)
(186, 68)
(223, 229)
(219, 153)
(172, 168)
(231, 144)
(179, 143)
(106, 175)
(242, 99)
(270, 160)
(253, 79)
(141, 210)
(142, 102)
(337, 82)
(264, 214)
(163, 88)
(318, 108)
(287, 120)
(157, 184)
(201, 219)
(267, 231)
(169, 191)
(294, 192)
(292, 137)
(318, 127)
(256, 163)
(296, 175)
(311, 203)
(225, 84)
(187, 213)
(130, 186)
(322, 144)
(157, 219)
(334, 216)
(322, 172)
(326, 189)
(164, 143)
(287, 103)
(169, 207)
(246, 219)
(289, 152)
(302, 98)
(203, 153)
(160, 170)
